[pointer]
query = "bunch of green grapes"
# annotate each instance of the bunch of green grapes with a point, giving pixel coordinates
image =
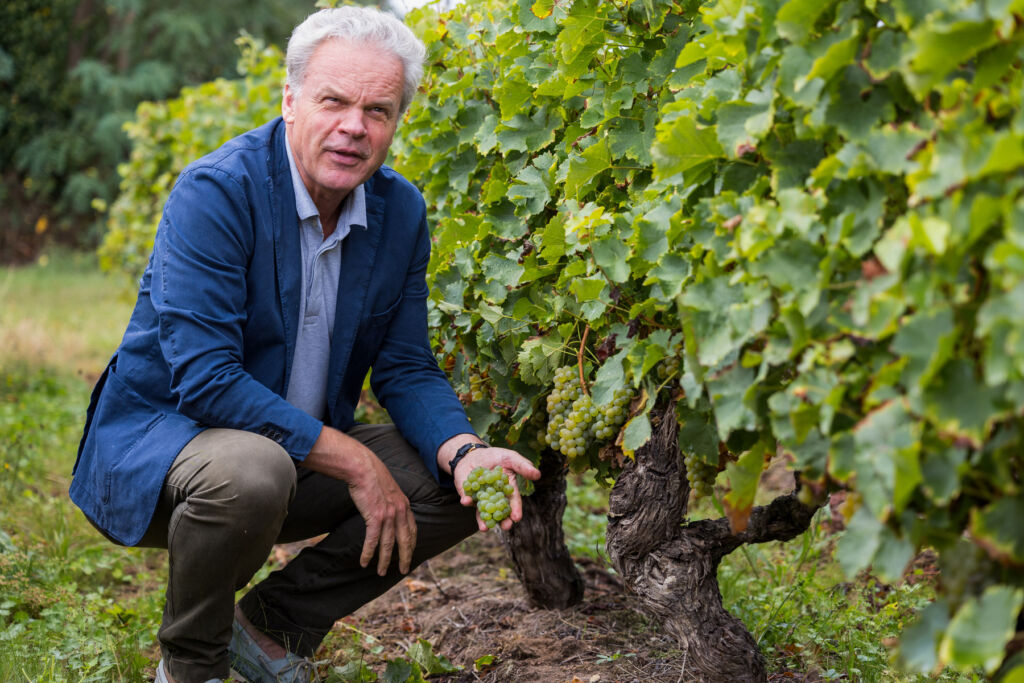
(560, 400)
(611, 416)
(700, 474)
(490, 490)
(535, 429)
(476, 387)
(575, 422)
(669, 367)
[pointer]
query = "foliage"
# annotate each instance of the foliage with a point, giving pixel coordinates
(73, 71)
(806, 618)
(810, 208)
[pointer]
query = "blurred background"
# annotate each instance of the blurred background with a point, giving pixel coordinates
(72, 72)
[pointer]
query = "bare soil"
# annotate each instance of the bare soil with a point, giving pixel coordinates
(469, 604)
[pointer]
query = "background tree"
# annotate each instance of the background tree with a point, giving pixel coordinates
(72, 72)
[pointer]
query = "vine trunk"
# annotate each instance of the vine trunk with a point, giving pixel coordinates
(536, 544)
(672, 566)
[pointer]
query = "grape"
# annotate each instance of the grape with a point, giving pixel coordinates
(700, 475)
(490, 490)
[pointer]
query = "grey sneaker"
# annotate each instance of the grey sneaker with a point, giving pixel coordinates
(161, 675)
(248, 660)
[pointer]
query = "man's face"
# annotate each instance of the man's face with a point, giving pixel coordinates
(343, 117)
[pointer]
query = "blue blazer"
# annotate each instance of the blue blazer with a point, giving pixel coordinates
(211, 339)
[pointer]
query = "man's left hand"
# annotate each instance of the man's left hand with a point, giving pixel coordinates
(511, 463)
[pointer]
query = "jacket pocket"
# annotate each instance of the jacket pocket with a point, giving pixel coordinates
(129, 418)
(381, 318)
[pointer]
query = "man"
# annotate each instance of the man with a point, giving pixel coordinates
(286, 265)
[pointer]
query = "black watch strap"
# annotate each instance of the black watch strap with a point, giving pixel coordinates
(463, 451)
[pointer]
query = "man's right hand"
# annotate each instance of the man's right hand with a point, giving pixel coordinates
(383, 506)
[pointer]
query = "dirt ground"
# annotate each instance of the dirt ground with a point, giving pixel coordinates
(468, 604)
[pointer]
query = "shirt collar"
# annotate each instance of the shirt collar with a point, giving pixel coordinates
(353, 209)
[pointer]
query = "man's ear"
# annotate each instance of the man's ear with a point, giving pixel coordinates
(288, 104)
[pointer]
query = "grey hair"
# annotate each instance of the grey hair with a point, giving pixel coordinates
(359, 25)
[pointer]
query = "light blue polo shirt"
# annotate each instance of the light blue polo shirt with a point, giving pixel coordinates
(321, 266)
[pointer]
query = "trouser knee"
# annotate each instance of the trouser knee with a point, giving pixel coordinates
(253, 476)
(231, 479)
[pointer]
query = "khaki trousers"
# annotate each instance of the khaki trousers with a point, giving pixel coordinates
(230, 496)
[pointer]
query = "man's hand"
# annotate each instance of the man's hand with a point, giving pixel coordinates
(383, 506)
(511, 463)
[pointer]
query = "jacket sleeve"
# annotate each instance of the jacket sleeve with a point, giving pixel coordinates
(199, 291)
(406, 378)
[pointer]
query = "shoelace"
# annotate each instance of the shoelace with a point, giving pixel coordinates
(299, 665)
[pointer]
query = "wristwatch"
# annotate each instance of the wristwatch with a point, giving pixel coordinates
(463, 451)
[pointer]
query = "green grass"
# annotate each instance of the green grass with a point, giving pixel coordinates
(73, 607)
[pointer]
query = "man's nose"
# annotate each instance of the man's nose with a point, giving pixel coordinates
(351, 122)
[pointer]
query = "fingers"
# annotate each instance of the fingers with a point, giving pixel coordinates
(515, 503)
(386, 547)
(406, 542)
(370, 542)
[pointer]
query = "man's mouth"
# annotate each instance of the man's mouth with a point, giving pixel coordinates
(347, 155)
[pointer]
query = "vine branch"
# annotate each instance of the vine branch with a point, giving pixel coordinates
(579, 360)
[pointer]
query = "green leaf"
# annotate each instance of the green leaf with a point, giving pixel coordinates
(668, 276)
(728, 393)
(682, 145)
(919, 642)
(960, 404)
(422, 652)
(533, 187)
(840, 52)
(610, 376)
(743, 476)
(887, 446)
(940, 48)
(980, 629)
(543, 8)
(637, 430)
(795, 19)
(611, 255)
(505, 271)
(860, 540)
(583, 167)
(636, 433)
(581, 31)
(482, 416)
(1000, 530)
(892, 557)
(485, 662)
(402, 671)
(744, 124)
(587, 289)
